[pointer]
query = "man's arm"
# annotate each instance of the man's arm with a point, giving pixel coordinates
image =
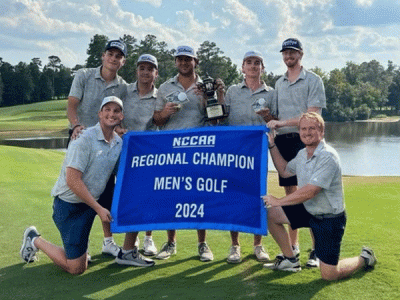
(78, 187)
(72, 115)
(279, 162)
(161, 117)
(301, 195)
(274, 124)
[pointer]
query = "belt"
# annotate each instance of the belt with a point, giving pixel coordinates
(289, 135)
(329, 216)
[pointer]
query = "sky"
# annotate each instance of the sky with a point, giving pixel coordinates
(333, 32)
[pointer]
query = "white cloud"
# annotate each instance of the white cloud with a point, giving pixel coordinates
(365, 3)
(189, 25)
(155, 3)
(244, 15)
(225, 22)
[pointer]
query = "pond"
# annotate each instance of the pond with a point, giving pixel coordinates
(365, 148)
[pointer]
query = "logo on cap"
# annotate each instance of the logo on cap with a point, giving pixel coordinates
(291, 44)
(185, 50)
(118, 45)
(148, 58)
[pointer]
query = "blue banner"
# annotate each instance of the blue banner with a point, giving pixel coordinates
(202, 178)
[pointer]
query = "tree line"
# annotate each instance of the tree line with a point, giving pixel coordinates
(353, 92)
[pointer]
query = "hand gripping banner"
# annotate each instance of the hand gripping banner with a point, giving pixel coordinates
(202, 178)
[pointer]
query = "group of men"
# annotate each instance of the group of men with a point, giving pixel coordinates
(102, 107)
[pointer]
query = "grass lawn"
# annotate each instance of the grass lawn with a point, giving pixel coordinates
(27, 176)
(43, 118)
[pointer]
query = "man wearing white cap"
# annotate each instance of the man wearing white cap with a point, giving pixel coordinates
(179, 105)
(250, 102)
(298, 91)
(89, 86)
(139, 110)
(88, 164)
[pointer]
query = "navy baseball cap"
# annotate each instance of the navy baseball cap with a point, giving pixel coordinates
(116, 44)
(292, 43)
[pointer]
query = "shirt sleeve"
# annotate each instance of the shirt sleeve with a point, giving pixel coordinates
(160, 102)
(77, 86)
(316, 96)
(78, 154)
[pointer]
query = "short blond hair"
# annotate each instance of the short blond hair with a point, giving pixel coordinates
(316, 117)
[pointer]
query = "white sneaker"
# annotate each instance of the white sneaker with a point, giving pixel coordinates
(205, 252)
(260, 253)
(137, 242)
(284, 265)
(234, 255)
(369, 257)
(149, 248)
(313, 261)
(133, 258)
(28, 249)
(167, 250)
(110, 248)
(296, 252)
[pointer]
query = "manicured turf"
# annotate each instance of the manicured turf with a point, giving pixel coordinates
(27, 176)
(43, 118)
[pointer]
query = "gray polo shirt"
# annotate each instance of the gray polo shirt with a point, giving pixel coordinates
(191, 114)
(94, 157)
(323, 170)
(240, 98)
(138, 111)
(90, 88)
(294, 98)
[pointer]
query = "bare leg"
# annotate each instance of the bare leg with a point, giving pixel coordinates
(171, 236)
(293, 234)
(343, 269)
(106, 229)
(257, 240)
(130, 239)
(57, 255)
(276, 221)
(201, 235)
(235, 238)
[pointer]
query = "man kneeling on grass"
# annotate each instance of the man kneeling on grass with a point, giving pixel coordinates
(88, 164)
(318, 204)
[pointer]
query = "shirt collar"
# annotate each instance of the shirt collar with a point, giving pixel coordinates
(263, 87)
(319, 149)
(302, 75)
(98, 76)
(100, 136)
(152, 94)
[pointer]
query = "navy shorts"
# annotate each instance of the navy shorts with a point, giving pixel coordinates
(328, 232)
(106, 197)
(288, 145)
(74, 221)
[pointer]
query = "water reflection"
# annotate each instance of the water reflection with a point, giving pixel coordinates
(37, 142)
(365, 148)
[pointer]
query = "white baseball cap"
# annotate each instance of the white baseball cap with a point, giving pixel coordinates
(256, 54)
(149, 59)
(185, 51)
(112, 99)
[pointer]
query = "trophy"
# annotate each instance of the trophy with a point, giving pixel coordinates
(214, 110)
(179, 98)
(259, 104)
